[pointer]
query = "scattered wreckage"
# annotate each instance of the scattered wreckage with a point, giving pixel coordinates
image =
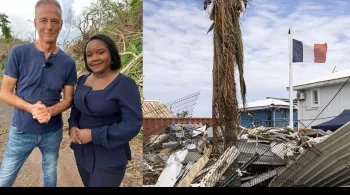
(267, 157)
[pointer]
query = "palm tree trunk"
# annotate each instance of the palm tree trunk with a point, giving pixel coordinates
(228, 58)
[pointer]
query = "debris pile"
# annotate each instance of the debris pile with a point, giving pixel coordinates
(170, 156)
(330, 167)
(182, 156)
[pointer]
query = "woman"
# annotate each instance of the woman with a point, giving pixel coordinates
(105, 116)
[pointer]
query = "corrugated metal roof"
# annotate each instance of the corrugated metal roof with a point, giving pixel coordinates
(156, 109)
(328, 77)
(329, 166)
(265, 103)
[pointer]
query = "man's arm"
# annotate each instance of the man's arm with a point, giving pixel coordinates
(63, 105)
(7, 95)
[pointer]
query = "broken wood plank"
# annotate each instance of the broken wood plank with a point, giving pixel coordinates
(185, 170)
(202, 143)
(220, 167)
(208, 168)
(157, 139)
(166, 151)
(204, 170)
(186, 181)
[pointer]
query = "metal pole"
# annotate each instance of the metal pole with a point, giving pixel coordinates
(290, 79)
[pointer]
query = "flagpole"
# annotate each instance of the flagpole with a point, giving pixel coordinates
(291, 104)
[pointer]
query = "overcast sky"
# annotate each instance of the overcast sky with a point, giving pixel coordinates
(20, 11)
(178, 54)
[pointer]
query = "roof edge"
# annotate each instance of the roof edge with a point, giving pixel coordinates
(318, 84)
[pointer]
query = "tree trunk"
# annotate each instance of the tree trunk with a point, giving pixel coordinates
(228, 58)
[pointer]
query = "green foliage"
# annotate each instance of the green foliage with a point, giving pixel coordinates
(134, 47)
(183, 114)
(120, 20)
(139, 136)
(135, 3)
(4, 24)
(2, 66)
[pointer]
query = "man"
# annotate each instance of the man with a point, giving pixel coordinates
(40, 71)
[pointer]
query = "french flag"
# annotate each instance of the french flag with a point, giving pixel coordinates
(309, 52)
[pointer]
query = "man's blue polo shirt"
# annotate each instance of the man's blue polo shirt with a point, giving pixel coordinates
(39, 83)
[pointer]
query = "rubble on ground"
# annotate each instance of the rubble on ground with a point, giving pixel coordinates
(182, 156)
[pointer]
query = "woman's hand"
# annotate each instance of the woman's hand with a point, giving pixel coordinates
(73, 133)
(84, 135)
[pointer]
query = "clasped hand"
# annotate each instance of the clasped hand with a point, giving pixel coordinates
(40, 112)
(80, 136)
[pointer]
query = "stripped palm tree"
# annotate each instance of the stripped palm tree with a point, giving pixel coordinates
(228, 60)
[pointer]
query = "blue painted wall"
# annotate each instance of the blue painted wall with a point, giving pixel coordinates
(260, 118)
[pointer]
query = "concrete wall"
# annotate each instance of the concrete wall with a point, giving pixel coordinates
(155, 126)
(306, 111)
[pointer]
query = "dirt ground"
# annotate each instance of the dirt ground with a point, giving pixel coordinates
(30, 174)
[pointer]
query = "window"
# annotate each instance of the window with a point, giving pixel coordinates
(283, 114)
(315, 97)
(269, 115)
(269, 121)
